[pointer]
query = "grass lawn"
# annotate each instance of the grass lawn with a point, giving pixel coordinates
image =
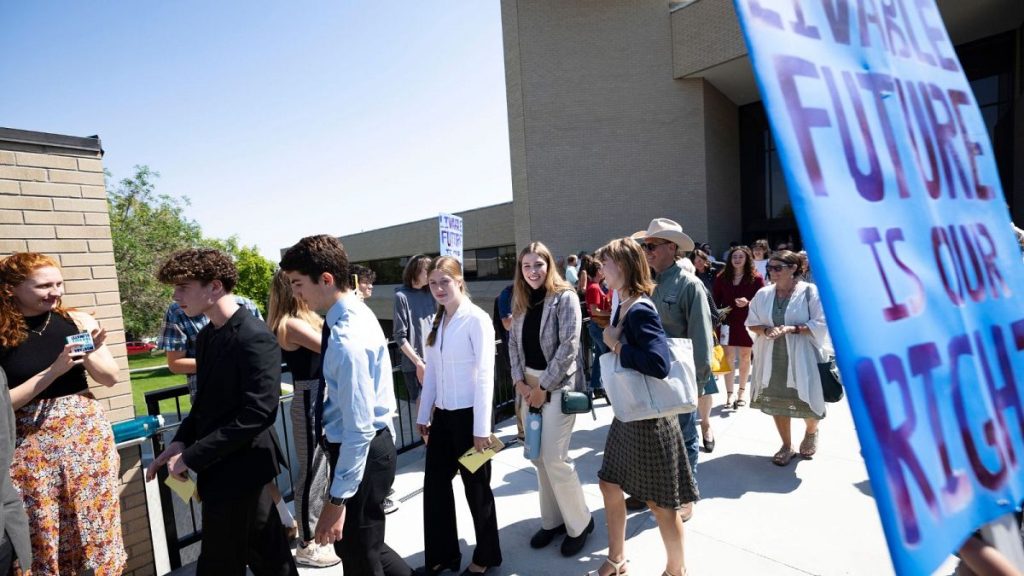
(155, 380)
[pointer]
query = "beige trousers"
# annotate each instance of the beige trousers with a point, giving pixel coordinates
(561, 495)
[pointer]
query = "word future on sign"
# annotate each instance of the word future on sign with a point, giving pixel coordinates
(889, 166)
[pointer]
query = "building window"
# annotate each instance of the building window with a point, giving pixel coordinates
(495, 263)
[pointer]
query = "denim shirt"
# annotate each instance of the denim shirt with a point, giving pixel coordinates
(360, 391)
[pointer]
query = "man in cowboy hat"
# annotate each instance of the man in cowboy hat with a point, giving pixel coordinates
(681, 301)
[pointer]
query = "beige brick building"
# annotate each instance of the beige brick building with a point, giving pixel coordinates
(620, 111)
(624, 110)
(53, 200)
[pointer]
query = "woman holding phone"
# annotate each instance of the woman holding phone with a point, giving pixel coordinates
(455, 416)
(65, 463)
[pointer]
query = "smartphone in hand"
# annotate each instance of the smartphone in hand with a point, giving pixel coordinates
(84, 342)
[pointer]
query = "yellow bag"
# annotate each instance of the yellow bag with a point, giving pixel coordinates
(719, 361)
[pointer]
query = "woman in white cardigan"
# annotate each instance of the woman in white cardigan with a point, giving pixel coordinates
(790, 338)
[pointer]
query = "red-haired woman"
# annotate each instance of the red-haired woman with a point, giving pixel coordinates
(65, 462)
(735, 286)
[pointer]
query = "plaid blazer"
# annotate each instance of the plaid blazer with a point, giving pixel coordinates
(560, 326)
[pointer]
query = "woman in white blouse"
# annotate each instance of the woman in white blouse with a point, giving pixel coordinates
(790, 338)
(458, 387)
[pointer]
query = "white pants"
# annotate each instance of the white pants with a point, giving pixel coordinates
(561, 495)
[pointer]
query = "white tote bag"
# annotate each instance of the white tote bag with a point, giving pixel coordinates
(636, 396)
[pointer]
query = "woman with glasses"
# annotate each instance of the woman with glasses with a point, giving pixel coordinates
(790, 333)
(734, 287)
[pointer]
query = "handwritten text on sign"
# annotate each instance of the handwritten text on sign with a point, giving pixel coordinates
(450, 228)
(893, 181)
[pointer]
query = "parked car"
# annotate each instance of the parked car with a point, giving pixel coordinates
(136, 348)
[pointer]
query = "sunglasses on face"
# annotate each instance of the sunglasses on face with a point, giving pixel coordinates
(651, 246)
(776, 267)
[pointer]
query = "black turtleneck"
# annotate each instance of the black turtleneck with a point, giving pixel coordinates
(531, 330)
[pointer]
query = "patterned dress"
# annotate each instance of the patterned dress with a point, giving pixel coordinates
(65, 463)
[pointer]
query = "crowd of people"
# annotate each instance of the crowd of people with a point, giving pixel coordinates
(637, 292)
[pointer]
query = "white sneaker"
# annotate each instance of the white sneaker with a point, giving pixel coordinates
(391, 505)
(316, 556)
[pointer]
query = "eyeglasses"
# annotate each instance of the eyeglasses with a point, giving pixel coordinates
(776, 267)
(651, 246)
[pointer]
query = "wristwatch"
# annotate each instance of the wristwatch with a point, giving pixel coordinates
(338, 501)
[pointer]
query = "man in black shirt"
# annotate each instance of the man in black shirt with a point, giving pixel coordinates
(228, 439)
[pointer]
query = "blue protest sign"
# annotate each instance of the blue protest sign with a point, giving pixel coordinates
(894, 186)
(450, 229)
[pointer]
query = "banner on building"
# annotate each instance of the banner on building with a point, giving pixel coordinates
(893, 183)
(450, 227)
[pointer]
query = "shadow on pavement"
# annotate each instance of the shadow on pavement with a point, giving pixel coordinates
(732, 474)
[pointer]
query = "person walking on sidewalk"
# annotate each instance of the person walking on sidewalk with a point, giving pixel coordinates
(358, 410)
(544, 347)
(455, 416)
(789, 326)
(734, 288)
(644, 458)
(681, 302)
(228, 438)
(298, 329)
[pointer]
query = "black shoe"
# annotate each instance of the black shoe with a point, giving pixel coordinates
(709, 445)
(544, 537)
(454, 564)
(572, 545)
(634, 503)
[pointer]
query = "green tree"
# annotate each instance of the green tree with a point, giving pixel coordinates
(255, 273)
(146, 228)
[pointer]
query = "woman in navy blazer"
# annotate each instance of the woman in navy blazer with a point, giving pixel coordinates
(644, 458)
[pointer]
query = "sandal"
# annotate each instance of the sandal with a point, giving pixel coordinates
(740, 402)
(617, 566)
(809, 446)
(730, 399)
(783, 456)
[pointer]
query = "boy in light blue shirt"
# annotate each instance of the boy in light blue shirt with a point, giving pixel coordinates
(357, 412)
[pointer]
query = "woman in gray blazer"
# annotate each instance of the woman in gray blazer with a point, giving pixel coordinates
(544, 349)
(14, 542)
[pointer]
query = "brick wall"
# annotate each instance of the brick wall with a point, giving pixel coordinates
(53, 200)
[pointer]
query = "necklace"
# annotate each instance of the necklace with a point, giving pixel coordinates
(45, 326)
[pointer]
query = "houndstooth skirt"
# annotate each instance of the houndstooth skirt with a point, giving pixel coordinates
(646, 459)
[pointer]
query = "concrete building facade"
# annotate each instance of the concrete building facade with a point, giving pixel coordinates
(621, 111)
(53, 200)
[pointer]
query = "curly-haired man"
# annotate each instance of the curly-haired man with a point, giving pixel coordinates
(228, 438)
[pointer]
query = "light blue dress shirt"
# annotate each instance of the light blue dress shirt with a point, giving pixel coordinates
(360, 397)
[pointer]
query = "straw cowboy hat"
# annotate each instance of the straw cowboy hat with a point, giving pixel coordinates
(667, 230)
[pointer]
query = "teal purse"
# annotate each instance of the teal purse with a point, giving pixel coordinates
(577, 402)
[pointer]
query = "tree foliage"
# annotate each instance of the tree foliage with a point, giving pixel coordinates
(255, 273)
(146, 227)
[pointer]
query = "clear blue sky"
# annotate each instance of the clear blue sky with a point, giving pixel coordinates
(277, 119)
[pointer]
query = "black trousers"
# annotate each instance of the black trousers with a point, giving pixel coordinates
(362, 548)
(242, 530)
(451, 434)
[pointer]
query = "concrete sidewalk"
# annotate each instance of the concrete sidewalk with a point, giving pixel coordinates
(812, 517)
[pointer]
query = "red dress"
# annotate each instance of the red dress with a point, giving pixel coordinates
(725, 293)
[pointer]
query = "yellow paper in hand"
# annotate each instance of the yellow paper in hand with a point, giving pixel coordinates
(473, 460)
(185, 489)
